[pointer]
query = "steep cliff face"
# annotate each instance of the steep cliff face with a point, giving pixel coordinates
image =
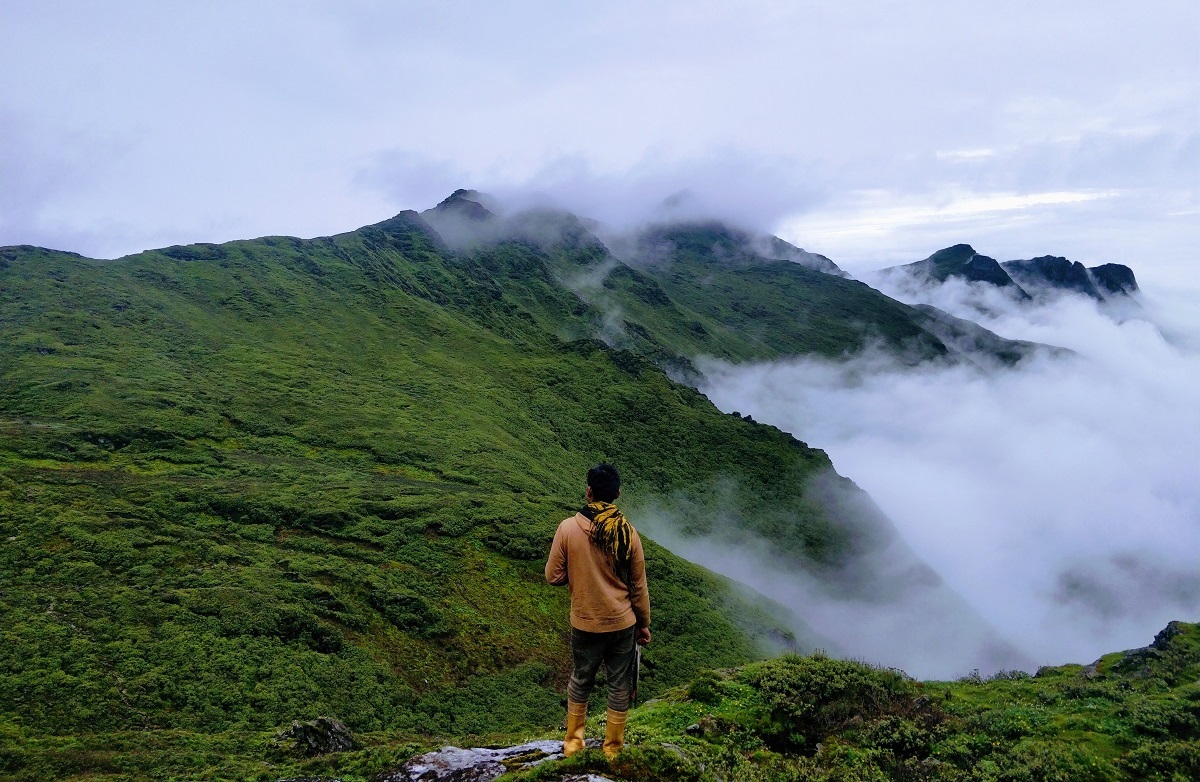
(1049, 274)
(1114, 278)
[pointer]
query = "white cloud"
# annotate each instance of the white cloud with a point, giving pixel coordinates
(1062, 498)
(880, 213)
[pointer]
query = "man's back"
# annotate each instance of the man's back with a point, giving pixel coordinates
(600, 601)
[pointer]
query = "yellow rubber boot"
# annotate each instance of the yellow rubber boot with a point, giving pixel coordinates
(614, 734)
(576, 720)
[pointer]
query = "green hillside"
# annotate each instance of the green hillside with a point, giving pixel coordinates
(248, 483)
(739, 305)
(677, 291)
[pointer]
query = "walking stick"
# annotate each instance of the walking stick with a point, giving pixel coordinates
(637, 674)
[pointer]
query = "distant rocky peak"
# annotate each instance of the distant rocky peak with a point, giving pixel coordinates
(467, 203)
(1051, 273)
(958, 253)
(1114, 278)
(774, 247)
(462, 221)
(1044, 276)
(963, 262)
(1054, 271)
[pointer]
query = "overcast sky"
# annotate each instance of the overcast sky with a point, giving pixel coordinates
(873, 132)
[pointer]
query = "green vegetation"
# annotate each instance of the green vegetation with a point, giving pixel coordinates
(700, 289)
(250, 483)
(267, 480)
(1133, 716)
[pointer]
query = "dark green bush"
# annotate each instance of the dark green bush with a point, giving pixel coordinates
(1166, 718)
(706, 687)
(409, 612)
(1164, 761)
(810, 698)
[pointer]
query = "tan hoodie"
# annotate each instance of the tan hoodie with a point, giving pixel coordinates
(600, 603)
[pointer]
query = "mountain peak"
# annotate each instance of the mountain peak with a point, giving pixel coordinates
(465, 203)
(1115, 278)
(961, 260)
(963, 252)
(1056, 272)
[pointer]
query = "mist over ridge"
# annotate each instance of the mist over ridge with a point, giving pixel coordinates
(1059, 497)
(836, 404)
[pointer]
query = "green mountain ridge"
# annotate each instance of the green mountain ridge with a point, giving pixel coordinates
(252, 482)
(676, 291)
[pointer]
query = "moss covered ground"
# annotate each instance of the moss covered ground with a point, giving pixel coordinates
(1131, 716)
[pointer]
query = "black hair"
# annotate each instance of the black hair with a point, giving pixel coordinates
(605, 482)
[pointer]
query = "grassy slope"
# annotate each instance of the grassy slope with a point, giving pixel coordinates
(700, 290)
(247, 483)
(263, 480)
(1132, 716)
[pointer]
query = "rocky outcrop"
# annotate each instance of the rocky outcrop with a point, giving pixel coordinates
(481, 764)
(1049, 273)
(474, 764)
(318, 737)
(1149, 659)
(1114, 278)
(963, 262)
(1040, 275)
(1053, 271)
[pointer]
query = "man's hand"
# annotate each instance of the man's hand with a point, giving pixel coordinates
(643, 636)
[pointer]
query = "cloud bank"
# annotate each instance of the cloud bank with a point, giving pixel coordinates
(1061, 499)
(882, 604)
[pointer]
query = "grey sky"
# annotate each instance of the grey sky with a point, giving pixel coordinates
(872, 132)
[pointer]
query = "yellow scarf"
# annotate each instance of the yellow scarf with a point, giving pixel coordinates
(612, 534)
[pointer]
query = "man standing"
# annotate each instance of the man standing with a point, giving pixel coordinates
(597, 553)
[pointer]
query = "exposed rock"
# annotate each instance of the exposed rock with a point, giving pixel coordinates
(1114, 278)
(479, 764)
(707, 726)
(1042, 275)
(318, 737)
(963, 262)
(1055, 272)
(1162, 641)
(1145, 661)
